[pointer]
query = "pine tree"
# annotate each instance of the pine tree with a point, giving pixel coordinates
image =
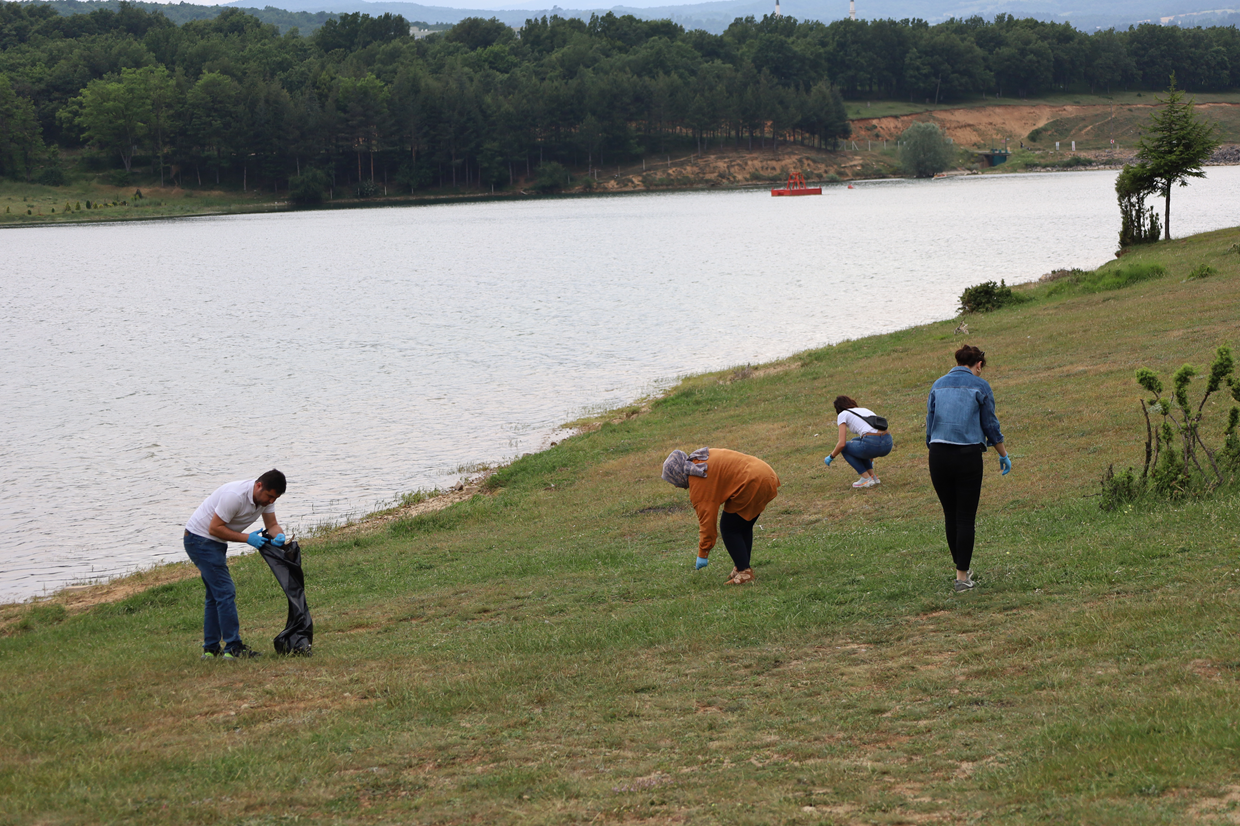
(1175, 146)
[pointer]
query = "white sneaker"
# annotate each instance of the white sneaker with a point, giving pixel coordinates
(865, 482)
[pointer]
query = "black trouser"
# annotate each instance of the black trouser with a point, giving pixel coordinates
(737, 535)
(956, 473)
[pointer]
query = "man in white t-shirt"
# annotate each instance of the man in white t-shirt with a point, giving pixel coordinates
(221, 519)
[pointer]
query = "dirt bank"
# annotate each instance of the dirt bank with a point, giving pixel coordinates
(1094, 125)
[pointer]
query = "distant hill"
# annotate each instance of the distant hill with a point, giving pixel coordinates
(715, 16)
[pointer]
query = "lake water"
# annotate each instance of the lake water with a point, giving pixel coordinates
(372, 352)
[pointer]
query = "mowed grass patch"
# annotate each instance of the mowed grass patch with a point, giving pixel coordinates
(545, 653)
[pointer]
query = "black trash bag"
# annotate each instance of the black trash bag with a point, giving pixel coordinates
(285, 562)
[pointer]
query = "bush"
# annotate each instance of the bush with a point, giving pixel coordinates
(552, 177)
(1202, 271)
(1139, 224)
(308, 188)
(1178, 461)
(367, 189)
(982, 298)
(924, 151)
(119, 177)
(50, 176)
(414, 176)
(1122, 489)
(1079, 160)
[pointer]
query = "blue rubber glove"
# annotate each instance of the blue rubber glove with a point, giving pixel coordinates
(256, 539)
(827, 461)
(1005, 463)
(278, 541)
(700, 564)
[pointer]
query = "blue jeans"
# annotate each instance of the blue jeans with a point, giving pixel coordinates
(860, 453)
(219, 618)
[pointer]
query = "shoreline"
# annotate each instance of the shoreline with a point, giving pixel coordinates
(284, 207)
(76, 598)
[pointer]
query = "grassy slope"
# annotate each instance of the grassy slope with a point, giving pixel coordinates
(546, 654)
(16, 199)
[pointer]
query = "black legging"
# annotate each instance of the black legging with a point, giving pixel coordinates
(956, 473)
(737, 535)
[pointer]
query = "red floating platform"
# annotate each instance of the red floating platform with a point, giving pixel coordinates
(796, 186)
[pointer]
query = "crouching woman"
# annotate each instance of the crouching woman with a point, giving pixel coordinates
(742, 485)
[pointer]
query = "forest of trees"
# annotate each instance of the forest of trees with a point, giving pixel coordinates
(361, 102)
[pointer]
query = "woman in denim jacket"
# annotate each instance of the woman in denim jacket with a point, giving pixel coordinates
(960, 424)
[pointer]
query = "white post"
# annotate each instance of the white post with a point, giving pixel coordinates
(1074, 146)
(1056, 146)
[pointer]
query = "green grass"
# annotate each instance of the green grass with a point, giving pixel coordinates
(1124, 122)
(543, 653)
(46, 204)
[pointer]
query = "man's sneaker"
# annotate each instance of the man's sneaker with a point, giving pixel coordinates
(211, 653)
(865, 482)
(241, 652)
(964, 585)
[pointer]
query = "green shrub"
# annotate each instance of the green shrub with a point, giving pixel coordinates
(308, 188)
(552, 177)
(1202, 271)
(50, 176)
(924, 151)
(982, 298)
(1121, 489)
(1076, 161)
(1178, 461)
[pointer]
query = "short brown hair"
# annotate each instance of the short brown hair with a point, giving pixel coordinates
(968, 355)
(843, 403)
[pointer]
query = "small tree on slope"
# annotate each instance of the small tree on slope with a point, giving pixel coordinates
(1175, 146)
